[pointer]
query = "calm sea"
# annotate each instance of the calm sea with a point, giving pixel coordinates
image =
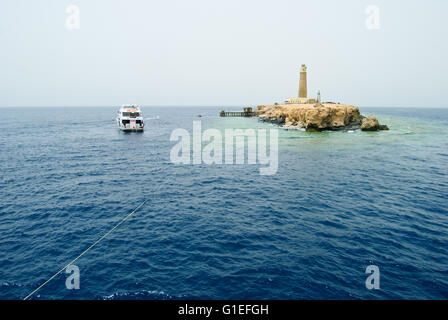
(340, 201)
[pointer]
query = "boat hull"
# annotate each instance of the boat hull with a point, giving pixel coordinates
(133, 126)
(131, 130)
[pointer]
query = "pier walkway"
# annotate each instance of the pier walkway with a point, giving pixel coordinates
(246, 113)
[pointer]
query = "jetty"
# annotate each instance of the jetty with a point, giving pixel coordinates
(247, 112)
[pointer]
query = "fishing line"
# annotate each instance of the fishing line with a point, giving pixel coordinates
(85, 251)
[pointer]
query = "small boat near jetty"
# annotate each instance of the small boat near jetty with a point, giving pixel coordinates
(130, 118)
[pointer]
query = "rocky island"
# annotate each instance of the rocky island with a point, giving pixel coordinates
(316, 117)
(311, 114)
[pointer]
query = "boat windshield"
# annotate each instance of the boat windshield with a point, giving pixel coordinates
(131, 114)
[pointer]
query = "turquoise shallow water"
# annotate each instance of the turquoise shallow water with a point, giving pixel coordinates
(339, 202)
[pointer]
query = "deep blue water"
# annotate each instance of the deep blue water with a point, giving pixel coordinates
(339, 202)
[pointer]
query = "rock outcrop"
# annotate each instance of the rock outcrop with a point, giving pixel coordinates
(316, 117)
(371, 124)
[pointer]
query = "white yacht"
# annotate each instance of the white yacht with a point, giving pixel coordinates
(130, 118)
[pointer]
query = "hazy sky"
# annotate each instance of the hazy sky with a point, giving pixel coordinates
(220, 53)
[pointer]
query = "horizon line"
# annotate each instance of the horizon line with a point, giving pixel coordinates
(203, 106)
